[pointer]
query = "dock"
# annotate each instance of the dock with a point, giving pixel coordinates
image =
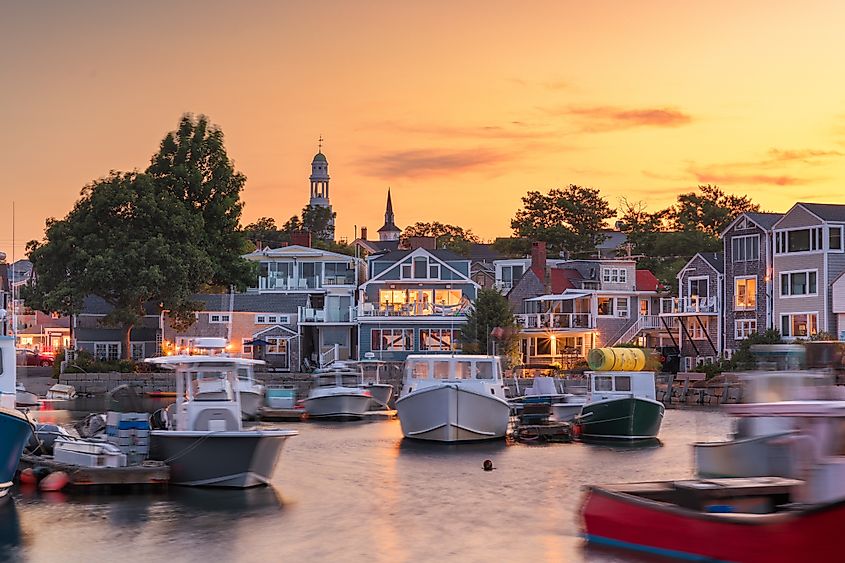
(546, 432)
(268, 414)
(149, 474)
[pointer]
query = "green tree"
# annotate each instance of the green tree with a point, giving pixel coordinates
(128, 241)
(193, 165)
(449, 237)
(264, 232)
(709, 211)
(491, 311)
(512, 247)
(318, 221)
(570, 218)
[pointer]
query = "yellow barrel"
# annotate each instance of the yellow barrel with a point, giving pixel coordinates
(616, 359)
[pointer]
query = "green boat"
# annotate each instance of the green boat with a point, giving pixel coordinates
(621, 407)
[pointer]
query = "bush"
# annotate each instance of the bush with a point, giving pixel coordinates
(85, 362)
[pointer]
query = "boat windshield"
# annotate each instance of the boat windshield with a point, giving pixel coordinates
(326, 380)
(349, 379)
(484, 370)
(603, 383)
(622, 382)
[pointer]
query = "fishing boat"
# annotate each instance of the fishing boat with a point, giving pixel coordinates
(621, 404)
(563, 405)
(371, 371)
(250, 390)
(768, 519)
(15, 427)
(336, 393)
(451, 398)
(204, 441)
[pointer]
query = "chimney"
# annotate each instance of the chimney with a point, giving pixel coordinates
(363, 233)
(429, 243)
(538, 259)
(301, 238)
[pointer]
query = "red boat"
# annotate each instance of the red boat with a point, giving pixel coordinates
(743, 519)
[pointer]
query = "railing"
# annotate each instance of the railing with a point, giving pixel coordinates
(272, 282)
(330, 356)
(693, 304)
(503, 286)
(412, 310)
(555, 320)
(336, 315)
(339, 280)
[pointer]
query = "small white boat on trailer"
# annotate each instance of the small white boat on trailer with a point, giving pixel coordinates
(205, 443)
(451, 398)
(336, 393)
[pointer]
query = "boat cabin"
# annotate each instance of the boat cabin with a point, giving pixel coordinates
(453, 368)
(606, 385)
(8, 380)
(336, 378)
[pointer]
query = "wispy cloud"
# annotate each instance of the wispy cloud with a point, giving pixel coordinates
(732, 178)
(807, 156)
(426, 163)
(514, 129)
(779, 167)
(597, 119)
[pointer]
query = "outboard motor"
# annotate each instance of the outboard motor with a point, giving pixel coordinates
(158, 420)
(41, 443)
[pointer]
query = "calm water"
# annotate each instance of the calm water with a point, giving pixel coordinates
(355, 492)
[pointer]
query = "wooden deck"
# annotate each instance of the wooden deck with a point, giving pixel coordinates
(149, 474)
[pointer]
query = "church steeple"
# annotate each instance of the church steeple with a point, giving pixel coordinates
(389, 231)
(320, 183)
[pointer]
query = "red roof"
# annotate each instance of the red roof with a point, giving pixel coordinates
(646, 281)
(562, 278)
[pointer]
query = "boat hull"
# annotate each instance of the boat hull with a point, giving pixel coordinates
(219, 459)
(625, 521)
(338, 406)
(449, 413)
(623, 419)
(15, 430)
(381, 394)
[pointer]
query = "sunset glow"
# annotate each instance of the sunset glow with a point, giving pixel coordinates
(459, 107)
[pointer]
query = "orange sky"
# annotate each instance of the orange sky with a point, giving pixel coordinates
(460, 107)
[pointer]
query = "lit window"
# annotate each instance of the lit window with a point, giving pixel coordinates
(799, 324)
(745, 293)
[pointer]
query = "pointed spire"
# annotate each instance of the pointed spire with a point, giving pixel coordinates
(388, 212)
(389, 230)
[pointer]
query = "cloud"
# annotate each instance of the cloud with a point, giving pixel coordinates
(808, 156)
(725, 177)
(777, 168)
(515, 129)
(596, 119)
(427, 163)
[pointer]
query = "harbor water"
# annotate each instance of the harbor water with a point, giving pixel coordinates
(359, 492)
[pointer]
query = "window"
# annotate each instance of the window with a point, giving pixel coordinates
(218, 318)
(622, 307)
(434, 271)
(420, 269)
(276, 345)
(393, 339)
(799, 240)
(137, 350)
(699, 287)
(745, 248)
(338, 273)
(603, 383)
(246, 349)
(623, 382)
(271, 319)
(743, 328)
(614, 275)
(799, 324)
(613, 307)
(483, 370)
(406, 272)
(698, 330)
(438, 340)
(745, 293)
(605, 306)
(834, 238)
(510, 274)
(798, 283)
(107, 350)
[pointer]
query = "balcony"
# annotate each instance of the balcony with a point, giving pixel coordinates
(288, 284)
(694, 305)
(554, 321)
(418, 309)
(330, 315)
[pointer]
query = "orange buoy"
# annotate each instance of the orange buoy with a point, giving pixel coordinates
(576, 431)
(54, 482)
(28, 477)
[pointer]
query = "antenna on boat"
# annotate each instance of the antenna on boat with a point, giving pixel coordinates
(14, 331)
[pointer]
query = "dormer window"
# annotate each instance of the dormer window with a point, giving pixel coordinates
(614, 275)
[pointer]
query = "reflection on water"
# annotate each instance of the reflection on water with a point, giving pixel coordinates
(358, 491)
(10, 530)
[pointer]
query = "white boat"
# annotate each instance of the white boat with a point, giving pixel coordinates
(336, 393)
(371, 370)
(15, 427)
(87, 453)
(564, 406)
(251, 391)
(453, 398)
(205, 443)
(24, 398)
(61, 392)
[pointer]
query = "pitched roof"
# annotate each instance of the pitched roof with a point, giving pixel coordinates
(765, 220)
(483, 252)
(253, 302)
(613, 240)
(646, 281)
(715, 259)
(444, 255)
(95, 305)
(562, 279)
(826, 211)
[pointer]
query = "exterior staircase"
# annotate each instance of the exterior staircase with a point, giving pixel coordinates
(645, 322)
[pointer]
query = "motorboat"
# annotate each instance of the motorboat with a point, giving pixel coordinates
(336, 393)
(24, 398)
(563, 405)
(772, 519)
(453, 398)
(61, 392)
(250, 390)
(620, 406)
(203, 439)
(371, 371)
(759, 446)
(15, 427)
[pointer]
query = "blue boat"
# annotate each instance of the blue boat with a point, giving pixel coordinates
(15, 427)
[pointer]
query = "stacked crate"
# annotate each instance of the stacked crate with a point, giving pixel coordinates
(129, 431)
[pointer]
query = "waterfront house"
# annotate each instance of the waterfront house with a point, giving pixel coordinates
(413, 301)
(749, 284)
(809, 259)
(105, 342)
(321, 286)
(698, 309)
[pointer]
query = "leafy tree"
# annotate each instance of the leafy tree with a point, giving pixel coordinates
(570, 218)
(491, 311)
(192, 164)
(449, 237)
(318, 221)
(264, 232)
(709, 211)
(128, 241)
(512, 247)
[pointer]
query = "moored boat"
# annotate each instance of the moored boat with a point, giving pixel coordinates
(15, 427)
(24, 398)
(453, 398)
(621, 406)
(336, 394)
(371, 371)
(250, 390)
(205, 443)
